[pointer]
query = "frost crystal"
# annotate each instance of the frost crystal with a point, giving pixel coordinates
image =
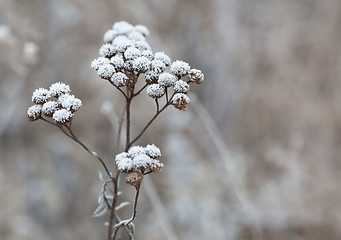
(70, 102)
(40, 96)
(141, 64)
(158, 66)
(107, 50)
(153, 151)
(141, 161)
(106, 71)
(62, 116)
(117, 61)
(155, 91)
(181, 87)
(180, 68)
(59, 88)
(142, 29)
(109, 36)
(162, 57)
(142, 45)
(124, 162)
(196, 76)
(132, 53)
(180, 101)
(136, 150)
(49, 108)
(98, 62)
(166, 80)
(34, 112)
(119, 79)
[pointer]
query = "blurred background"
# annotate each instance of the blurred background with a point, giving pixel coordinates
(256, 155)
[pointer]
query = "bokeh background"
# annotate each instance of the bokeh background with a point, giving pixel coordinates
(256, 155)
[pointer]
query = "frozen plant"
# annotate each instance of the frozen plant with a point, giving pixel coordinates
(125, 59)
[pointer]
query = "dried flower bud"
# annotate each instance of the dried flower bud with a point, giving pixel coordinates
(69, 102)
(135, 151)
(49, 108)
(106, 71)
(153, 151)
(136, 36)
(141, 161)
(166, 79)
(196, 76)
(57, 89)
(180, 101)
(109, 36)
(98, 62)
(181, 87)
(156, 166)
(141, 64)
(142, 46)
(34, 112)
(142, 29)
(148, 54)
(162, 57)
(152, 77)
(157, 66)
(62, 116)
(119, 79)
(123, 27)
(124, 162)
(107, 50)
(134, 178)
(121, 43)
(40, 96)
(180, 68)
(117, 62)
(155, 91)
(132, 53)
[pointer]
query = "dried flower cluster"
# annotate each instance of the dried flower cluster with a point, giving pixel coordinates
(55, 102)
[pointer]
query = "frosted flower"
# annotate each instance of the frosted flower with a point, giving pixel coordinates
(153, 151)
(98, 62)
(59, 88)
(107, 50)
(34, 112)
(136, 150)
(119, 79)
(132, 53)
(121, 43)
(157, 66)
(128, 65)
(70, 102)
(40, 95)
(142, 29)
(109, 35)
(134, 178)
(166, 79)
(49, 108)
(124, 162)
(141, 64)
(62, 116)
(117, 62)
(142, 45)
(196, 76)
(141, 161)
(148, 54)
(106, 71)
(156, 166)
(152, 77)
(180, 68)
(155, 91)
(162, 57)
(136, 36)
(181, 87)
(123, 27)
(180, 101)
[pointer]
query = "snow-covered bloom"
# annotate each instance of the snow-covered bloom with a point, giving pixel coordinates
(34, 112)
(132, 53)
(136, 150)
(148, 54)
(152, 77)
(180, 68)
(121, 43)
(70, 102)
(98, 62)
(166, 79)
(180, 101)
(62, 116)
(136, 36)
(156, 166)
(124, 162)
(134, 178)
(128, 65)
(153, 151)
(181, 87)
(59, 88)
(196, 76)
(119, 79)
(141, 64)
(157, 66)
(142, 45)
(106, 71)
(109, 35)
(107, 50)
(49, 108)
(117, 62)
(162, 57)
(40, 96)
(142, 29)
(142, 161)
(123, 27)
(155, 91)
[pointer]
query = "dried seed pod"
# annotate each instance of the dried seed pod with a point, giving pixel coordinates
(134, 178)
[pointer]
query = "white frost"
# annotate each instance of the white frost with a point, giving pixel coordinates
(180, 68)
(59, 88)
(62, 116)
(155, 91)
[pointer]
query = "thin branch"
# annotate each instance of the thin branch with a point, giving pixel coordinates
(137, 93)
(157, 105)
(119, 89)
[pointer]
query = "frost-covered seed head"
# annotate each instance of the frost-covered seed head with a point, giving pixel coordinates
(153, 151)
(136, 150)
(109, 35)
(132, 53)
(196, 76)
(156, 166)
(181, 87)
(180, 101)
(124, 162)
(119, 79)
(49, 108)
(117, 62)
(134, 178)
(155, 91)
(142, 45)
(152, 77)
(62, 116)
(123, 27)
(141, 64)
(121, 43)
(107, 50)
(166, 79)
(34, 112)
(128, 65)
(148, 54)
(142, 162)
(59, 88)
(162, 57)
(106, 71)
(40, 96)
(98, 62)
(69, 102)
(142, 29)
(180, 68)
(136, 36)
(157, 66)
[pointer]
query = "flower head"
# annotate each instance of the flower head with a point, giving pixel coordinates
(62, 116)
(49, 108)
(34, 112)
(106, 71)
(57, 89)
(107, 50)
(40, 96)
(166, 79)
(196, 76)
(162, 57)
(180, 68)
(181, 87)
(180, 101)
(155, 91)
(119, 79)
